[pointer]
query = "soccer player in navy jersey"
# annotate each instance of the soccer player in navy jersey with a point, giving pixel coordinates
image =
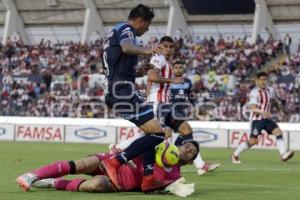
(182, 97)
(120, 58)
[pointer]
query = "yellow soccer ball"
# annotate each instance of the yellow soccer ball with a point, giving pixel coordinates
(166, 155)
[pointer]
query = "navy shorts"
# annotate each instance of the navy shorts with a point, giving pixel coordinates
(134, 109)
(168, 117)
(265, 124)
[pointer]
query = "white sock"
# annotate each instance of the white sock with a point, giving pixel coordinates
(281, 145)
(198, 162)
(242, 147)
(123, 145)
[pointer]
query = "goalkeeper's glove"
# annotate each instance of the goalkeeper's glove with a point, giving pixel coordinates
(180, 189)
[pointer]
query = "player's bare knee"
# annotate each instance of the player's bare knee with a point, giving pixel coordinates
(277, 132)
(252, 141)
(152, 126)
(185, 129)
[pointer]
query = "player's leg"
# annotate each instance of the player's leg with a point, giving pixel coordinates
(272, 128)
(117, 148)
(256, 128)
(58, 169)
(201, 166)
(144, 119)
(98, 183)
(244, 146)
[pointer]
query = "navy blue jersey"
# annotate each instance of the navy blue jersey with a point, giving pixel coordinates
(181, 92)
(119, 67)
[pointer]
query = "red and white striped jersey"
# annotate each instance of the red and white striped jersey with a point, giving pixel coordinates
(159, 92)
(261, 98)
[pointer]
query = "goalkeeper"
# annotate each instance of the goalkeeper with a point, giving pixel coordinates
(129, 175)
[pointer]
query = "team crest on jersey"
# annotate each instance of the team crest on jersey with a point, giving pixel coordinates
(128, 32)
(162, 120)
(255, 131)
(181, 91)
(156, 61)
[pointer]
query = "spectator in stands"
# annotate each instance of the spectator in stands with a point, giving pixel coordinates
(287, 43)
(56, 79)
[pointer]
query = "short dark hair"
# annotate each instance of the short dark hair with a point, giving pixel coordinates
(260, 74)
(178, 62)
(166, 39)
(143, 11)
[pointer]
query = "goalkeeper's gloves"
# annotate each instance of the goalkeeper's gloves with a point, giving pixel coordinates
(180, 189)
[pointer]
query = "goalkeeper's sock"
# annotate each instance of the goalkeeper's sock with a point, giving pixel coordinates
(55, 170)
(242, 147)
(198, 162)
(68, 185)
(139, 146)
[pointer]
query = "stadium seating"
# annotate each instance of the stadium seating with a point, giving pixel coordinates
(66, 79)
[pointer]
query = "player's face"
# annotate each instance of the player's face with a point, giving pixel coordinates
(261, 82)
(167, 48)
(178, 70)
(187, 153)
(142, 26)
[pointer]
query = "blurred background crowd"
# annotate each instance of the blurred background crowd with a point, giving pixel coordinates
(66, 79)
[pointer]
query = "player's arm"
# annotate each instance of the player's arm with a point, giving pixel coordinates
(276, 102)
(155, 77)
(128, 47)
(254, 108)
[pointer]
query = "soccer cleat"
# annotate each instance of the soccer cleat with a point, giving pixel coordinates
(25, 181)
(207, 167)
(111, 166)
(44, 183)
(235, 159)
(150, 183)
(288, 155)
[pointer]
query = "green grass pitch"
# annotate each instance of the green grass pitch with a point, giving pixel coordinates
(261, 176)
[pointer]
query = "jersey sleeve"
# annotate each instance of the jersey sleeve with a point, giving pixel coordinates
(126, 32)
(253, 100)
(157, 61)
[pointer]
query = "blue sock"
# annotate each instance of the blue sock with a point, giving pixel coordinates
(148, 161)
(187, 138)
(178, 141)
(140, 146)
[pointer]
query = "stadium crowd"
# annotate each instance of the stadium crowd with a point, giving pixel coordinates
(66, 79)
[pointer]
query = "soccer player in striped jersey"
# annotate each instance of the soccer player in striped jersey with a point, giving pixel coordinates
(261, 98)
